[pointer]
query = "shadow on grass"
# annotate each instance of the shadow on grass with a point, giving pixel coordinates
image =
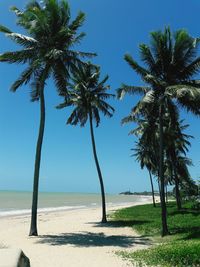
(121, 223)
(89, 239)
(185, 211)
(188, 232)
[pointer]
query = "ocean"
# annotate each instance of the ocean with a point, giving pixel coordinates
(19, 203)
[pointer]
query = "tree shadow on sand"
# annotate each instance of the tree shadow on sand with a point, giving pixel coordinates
(89, 239)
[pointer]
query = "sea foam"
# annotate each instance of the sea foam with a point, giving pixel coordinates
(6, 213)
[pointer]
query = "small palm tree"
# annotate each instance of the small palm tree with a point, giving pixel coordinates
(171, 62)
(145, 149)
(87, 95)
(144, 157)
(46, 51)
(176, 147)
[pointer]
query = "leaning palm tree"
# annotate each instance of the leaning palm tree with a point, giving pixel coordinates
(46, 51)
(87, 96)
(171, 62)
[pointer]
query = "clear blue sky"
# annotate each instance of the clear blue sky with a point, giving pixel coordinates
(113, 28)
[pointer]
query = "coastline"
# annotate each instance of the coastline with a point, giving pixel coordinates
(71, 238)
(12, 205)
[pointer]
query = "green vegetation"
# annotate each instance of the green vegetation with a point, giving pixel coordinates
(169, 64)
(181, 248)
(180, 254)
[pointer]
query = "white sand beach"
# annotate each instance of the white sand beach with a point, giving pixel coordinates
(72, 238)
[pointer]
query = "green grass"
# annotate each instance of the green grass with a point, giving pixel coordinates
(181, 248)
(177, 255)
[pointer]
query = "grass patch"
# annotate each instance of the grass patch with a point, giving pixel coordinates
(181, 248)
(180, 254)
(183, 224)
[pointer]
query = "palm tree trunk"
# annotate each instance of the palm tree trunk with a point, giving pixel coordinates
(152, 189)
(178, 196)
(177, 191)
(166, 194)
(161, 175)
(33, 228)
(159, 186)
(104, 220)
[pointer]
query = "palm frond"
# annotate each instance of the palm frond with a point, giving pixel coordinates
(126, 89)
(24, 78)
(135, 66)
(76, 54)
(23, 40)
(77, 39)
(5, 29)
(73, 118)
(60, 76)
(96, 116)
(78, 22)
(128, 119)
(23, 56)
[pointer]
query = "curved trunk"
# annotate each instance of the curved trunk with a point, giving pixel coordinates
(161, 175)
(152, 189)
(104, 220)
(33, 228)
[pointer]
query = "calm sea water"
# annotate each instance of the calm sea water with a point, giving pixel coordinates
(16, 203)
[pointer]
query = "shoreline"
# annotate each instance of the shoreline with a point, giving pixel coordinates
(23, 212)
(71, 238)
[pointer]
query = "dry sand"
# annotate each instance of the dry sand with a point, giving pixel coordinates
(70, 239)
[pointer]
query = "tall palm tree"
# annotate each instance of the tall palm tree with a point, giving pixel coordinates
(46, 51)
(171, 62)
(88, 97)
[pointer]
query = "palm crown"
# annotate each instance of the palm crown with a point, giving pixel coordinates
(170, 65)
(47, 49)
(87, 94)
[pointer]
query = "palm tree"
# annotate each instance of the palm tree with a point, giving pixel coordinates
(176, 147)
(187, 185)
(177, 143)
(88, 96)
(146, 148)
(170, 65)
(143, 156)
(46, 51)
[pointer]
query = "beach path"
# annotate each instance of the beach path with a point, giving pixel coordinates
(72, 238)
